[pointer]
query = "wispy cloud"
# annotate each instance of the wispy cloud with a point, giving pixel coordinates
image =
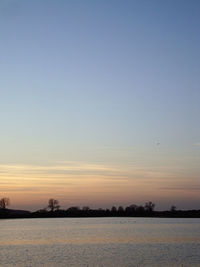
(182, 188)
(77, 170)
(63, 165)
(58, 168)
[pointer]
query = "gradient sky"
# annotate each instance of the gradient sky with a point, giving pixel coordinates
(99, 102)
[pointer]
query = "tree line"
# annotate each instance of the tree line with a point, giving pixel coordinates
(53, 210)
(53, 205)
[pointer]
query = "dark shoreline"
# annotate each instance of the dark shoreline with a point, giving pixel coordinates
(19, 214)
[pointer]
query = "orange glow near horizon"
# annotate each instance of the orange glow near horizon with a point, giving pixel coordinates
(79, 184)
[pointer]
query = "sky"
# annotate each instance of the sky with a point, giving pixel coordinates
(99, 103)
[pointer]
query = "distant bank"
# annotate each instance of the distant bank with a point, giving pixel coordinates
(83, 213)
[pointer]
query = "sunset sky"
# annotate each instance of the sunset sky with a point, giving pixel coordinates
(100, 103)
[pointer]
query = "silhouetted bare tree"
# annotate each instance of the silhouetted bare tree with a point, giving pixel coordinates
(149, 206)
(4, 202)
(173, 208)
(53, 204)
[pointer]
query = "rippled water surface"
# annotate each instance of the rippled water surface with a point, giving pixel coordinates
(100, 242)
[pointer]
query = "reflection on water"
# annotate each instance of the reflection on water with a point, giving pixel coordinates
(100, 242)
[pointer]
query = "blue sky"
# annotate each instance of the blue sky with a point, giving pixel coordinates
(101, 83)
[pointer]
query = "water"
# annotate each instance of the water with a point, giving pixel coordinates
(100, 242)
